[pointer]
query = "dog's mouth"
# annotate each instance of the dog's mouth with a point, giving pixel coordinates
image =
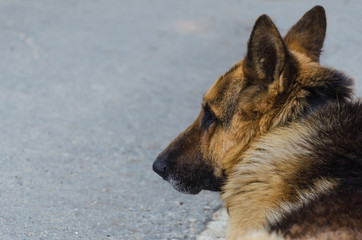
(189, 185)
(204, 184)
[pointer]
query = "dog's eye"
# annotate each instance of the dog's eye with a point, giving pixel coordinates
(207, 119)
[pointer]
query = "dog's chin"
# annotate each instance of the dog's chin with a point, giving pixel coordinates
(184, 188)
(191, 191)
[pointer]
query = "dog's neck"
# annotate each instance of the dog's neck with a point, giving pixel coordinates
(253, 194)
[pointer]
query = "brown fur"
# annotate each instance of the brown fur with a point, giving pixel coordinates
(303, 180)
(262, 134)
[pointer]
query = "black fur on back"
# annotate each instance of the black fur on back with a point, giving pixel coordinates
(335, 152)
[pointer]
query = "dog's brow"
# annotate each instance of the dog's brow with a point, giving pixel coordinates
(204, 102)
(207, 108)
(205, 105)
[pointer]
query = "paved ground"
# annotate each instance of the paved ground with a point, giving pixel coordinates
(91, 91)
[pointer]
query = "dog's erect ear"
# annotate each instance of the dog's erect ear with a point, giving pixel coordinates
(267, 53)
(307, 35)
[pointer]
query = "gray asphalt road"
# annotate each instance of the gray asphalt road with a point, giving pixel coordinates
(91, 91)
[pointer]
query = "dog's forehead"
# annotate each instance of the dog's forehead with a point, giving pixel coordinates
(225, 89)
(224, 84)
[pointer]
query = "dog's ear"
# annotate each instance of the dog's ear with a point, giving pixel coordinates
(267, 53)
(307, 35)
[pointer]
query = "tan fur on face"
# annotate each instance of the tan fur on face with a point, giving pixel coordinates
(248, 105)
(257, 108)
(254, 112)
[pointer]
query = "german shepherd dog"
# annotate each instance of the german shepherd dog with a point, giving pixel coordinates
(281, 137)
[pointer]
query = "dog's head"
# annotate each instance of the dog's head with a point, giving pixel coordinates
(255, 95)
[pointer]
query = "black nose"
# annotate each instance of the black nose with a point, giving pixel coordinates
(160, 166)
